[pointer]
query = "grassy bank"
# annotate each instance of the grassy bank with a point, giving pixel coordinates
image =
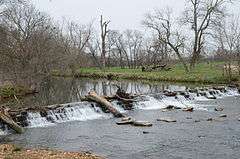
(204, 73)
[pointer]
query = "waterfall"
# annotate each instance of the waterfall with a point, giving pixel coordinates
(3, 129)
(36, 120)
(84, 111)
(2, 132)
(117, 106)
(195, 100)
(75, 112)
(151, 103)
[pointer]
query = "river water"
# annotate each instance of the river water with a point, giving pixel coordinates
(84, 127)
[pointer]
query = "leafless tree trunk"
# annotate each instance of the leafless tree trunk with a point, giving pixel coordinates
(201, 15)
(104, 32)
(161, 22)
(227, 35)
(78, 38)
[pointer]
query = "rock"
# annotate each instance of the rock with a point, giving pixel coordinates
(126, 122)
(193, 90)
(210, 119)
(171, 107)
(168, 120)
(210, 97)
(126, 119)
(218, 109)
(221, 88)
(170, 94)
(142, 123)
(190, 109)
(233, 85)
(146, 132)
(197, 121)
(223, 116)
(201, 136)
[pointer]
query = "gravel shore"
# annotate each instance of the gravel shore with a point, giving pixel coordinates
(13, 152)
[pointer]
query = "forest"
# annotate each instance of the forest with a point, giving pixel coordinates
(170, 89)
(33, 45)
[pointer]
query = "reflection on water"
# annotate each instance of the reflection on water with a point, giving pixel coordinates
(67, 90)
(104, 137)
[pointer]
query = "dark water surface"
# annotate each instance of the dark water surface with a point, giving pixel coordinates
(67, 90)
(185, 139)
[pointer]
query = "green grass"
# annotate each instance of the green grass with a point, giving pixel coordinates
(203, 73)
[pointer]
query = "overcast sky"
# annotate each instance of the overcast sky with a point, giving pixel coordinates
(124, 14)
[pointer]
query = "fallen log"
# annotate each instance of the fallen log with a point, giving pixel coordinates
(6, 119)
(126, 98)
(104, 104)
(107, 105)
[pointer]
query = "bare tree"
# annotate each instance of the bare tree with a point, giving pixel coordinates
(134, 40)
(156, 52)
(160, 21)
(227, 35)
(118, 49)
(201, 15)
(30, 47)
(94, 48)
(104, 32)
(78, 38)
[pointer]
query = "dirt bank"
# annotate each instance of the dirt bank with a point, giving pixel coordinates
(13, 152)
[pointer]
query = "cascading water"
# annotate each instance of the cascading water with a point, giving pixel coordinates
(151, 103)
(36, 120)
(89, 111)
(118, 106)
(75, 112)
(196, 100)
(3, 129)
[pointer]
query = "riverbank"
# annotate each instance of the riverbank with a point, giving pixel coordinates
(204, 73)
(11, 95)
(14, 152)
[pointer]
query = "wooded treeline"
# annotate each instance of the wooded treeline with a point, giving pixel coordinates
(33, 44)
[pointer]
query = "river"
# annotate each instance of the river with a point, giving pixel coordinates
(86, 128)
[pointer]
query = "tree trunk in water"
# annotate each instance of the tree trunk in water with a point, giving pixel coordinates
(92, 96)
(8, 120)
(104, 103)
